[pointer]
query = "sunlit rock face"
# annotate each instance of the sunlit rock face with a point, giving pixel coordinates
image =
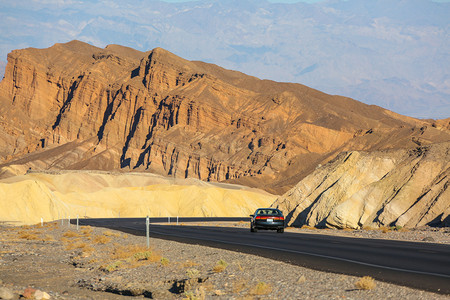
(406, 188)
(76, 106)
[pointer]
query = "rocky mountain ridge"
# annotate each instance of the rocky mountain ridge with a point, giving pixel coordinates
(76, 106)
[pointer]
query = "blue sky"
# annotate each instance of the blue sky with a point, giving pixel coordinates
(287, 1)
(392, 53)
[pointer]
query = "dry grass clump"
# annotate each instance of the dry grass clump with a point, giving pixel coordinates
(111, 233)
(28, 235)
(86, 230)
(189, 264)
(48, 238)
(239, 285)
(220, 266)
(369, 228)
(366, 283)
(70, 234)
(261, 288)
(132, 256)
(308, 227)
(101, 239)
(138, 252)
(78, 244)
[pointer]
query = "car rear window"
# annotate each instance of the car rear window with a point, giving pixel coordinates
(269, 212)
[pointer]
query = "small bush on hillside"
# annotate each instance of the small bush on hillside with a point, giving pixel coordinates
(365, 283)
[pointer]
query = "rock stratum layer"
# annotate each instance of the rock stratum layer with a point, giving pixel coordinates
(407, 188)
(75, 106)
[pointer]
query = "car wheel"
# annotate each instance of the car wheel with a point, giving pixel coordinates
(252, 229)
(281, 230)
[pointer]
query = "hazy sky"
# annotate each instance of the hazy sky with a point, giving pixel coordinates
(392, 53)
(287, 1)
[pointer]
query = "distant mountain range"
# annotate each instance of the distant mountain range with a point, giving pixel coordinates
(392, 53)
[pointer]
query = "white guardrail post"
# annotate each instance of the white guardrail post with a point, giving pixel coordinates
(147, 225)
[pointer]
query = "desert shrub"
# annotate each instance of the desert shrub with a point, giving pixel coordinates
(113, 266)
(261, 288)
(164, 261)
(144, 255)
(192, 273)
(365, 283)
(220, 266)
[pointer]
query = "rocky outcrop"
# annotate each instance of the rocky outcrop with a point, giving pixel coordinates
(75, 106)
(407, 188)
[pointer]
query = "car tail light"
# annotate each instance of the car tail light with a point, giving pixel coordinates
(269, 217)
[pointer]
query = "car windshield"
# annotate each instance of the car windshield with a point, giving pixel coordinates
(268, 212)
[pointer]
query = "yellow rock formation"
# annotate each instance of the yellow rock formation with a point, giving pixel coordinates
(25, 199)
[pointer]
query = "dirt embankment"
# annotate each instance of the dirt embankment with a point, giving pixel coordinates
(97, 263)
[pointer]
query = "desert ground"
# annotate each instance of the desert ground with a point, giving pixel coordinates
(61, 262)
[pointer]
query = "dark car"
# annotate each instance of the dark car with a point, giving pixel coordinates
(267, 218)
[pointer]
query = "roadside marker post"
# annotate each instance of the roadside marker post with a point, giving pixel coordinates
(147, 225)
(42, 222)
(168, 220)
(68, 222)
(77, 223)
(177, 220)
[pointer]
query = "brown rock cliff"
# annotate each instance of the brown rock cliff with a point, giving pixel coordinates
(76, 106)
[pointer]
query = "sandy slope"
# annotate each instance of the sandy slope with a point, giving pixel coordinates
(25, 199)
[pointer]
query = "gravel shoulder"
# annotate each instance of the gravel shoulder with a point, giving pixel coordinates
(98, 263)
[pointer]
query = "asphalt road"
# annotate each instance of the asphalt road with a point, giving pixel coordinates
(419, 265)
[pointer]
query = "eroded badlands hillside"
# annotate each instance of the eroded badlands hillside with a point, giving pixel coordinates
(404, 187)
(75, 106)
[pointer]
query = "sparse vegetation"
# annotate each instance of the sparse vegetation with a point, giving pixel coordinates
(86, 230)
(70, 234)
(113, 266)
(220, 266)
(189, 264)
(366, 283)
(192, 273)
(164, 261)
(261, 288)
(111, 234)
(101, 239)
(239, 285)
(28, 235)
